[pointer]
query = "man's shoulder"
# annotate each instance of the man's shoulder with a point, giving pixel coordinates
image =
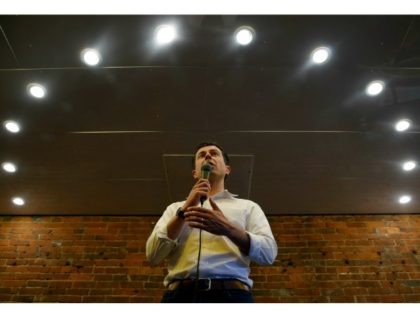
(175, 204)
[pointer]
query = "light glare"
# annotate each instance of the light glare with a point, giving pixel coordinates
(37, 90)
(9, 167)
(18, 201)
(409, 166)
(165, 34)
(374, 88)
(404, 199)
(244, 35)
(11, 126)
(402, 125)
(320, 55)
(90, 56)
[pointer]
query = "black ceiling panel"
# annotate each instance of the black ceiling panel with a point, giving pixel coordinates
(117, 138)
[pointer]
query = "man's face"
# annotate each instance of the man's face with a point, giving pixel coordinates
(213, 156)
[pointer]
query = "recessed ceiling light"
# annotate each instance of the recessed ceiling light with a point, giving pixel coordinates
(90, 56)
(244, 35)
(37, 90)
(404, 199)
(18, 201)
(320, 55)
(11, 126)
(9, 167)
(374, 88)
(402, 125)
(409, 165)
(165, 34)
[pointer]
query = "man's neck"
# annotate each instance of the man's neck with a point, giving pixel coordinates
(217, 187)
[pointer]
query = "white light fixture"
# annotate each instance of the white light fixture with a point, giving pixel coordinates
(320, 55)
(11, 126)
(404, 199)
(375, 87)
(409, 165)
(9, 167)
(165, 34)
(402, 125)
(90, 56)
(37, 90)
(244, 35)
(18, 201)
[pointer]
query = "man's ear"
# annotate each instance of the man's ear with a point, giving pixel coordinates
(228, 169)
(194, 174)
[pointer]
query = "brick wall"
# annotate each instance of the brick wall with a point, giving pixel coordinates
(358, 258)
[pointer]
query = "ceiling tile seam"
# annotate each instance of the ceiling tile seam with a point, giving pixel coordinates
(10, 46)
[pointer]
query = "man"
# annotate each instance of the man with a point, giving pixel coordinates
(216, 240)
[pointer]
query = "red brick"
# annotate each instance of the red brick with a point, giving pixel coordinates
(94, 299)
(351, 258)
(23, 298)
(414, 298)
(139, 299)
(30, 291)
(384, 299)
(117, 299)
(342, 299)
(83, 284)
(6, 297)
(69, 299)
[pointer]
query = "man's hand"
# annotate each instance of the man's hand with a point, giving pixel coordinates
(200, 189)
(212, 221)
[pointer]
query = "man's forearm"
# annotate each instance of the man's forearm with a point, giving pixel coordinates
(240, 238)
(174, 227)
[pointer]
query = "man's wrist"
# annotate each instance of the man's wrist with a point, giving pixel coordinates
(180, 213)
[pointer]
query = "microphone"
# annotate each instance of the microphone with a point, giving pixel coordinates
(205, 174)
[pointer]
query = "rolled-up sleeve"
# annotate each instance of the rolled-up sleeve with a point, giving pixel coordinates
(159, 245)
(263, 247)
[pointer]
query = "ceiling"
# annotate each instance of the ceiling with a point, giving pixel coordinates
(117, 139)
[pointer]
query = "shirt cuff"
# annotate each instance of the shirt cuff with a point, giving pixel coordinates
(259, 251)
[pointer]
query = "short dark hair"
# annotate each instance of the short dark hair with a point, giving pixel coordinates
(209, 143)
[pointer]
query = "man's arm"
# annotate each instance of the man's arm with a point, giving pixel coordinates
(263, 246)
(163, 240)
(257, 241)
(200, 189)
(215, 222)
(166, 232)
(240, 238)
(174, 227)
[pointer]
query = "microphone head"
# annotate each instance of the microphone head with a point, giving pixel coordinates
(206, 170)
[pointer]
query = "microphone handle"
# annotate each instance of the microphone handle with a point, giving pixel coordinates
(205, 174)
(202, 199)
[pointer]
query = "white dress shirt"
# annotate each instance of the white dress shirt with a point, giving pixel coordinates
(220, 257)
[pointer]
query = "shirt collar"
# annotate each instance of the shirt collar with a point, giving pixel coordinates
(225, 194)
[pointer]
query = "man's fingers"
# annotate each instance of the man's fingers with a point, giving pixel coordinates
(196, 225)
(195, 218)
(204, 183)
(214, 205)
(196, 212)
